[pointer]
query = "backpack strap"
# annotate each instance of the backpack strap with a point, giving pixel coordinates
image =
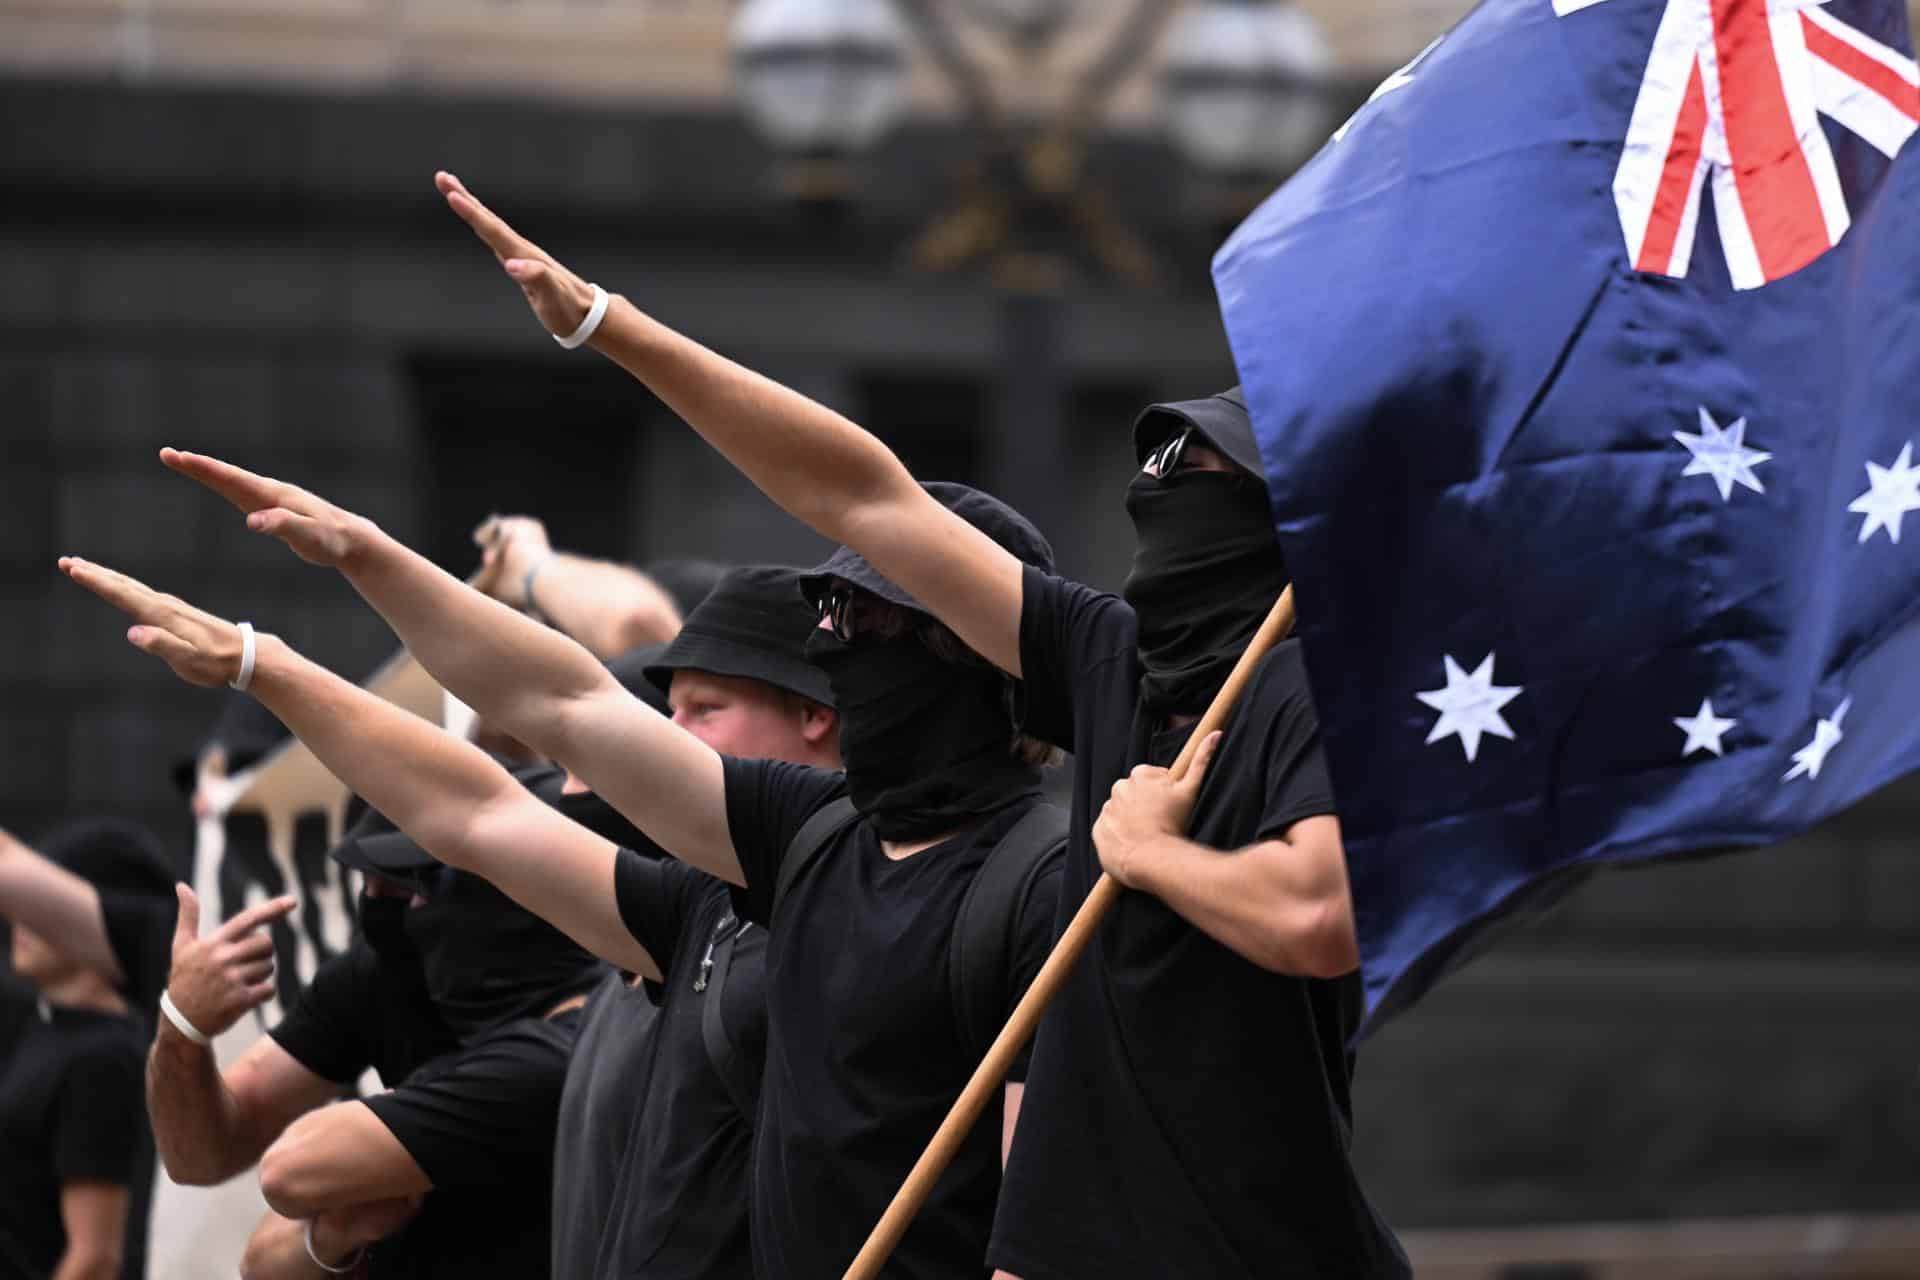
(981, 952)
(742, 1085)
(815, 834)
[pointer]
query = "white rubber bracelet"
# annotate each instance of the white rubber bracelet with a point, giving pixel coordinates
(329, 1268)
(248, 651)
(179, 1020)
(595, 314)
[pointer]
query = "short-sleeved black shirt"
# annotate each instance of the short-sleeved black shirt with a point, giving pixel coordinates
(663, 1155)
(865, 1051)
(70, 1111)
(480, 1124)
(348, 1019)
(1188, 1112)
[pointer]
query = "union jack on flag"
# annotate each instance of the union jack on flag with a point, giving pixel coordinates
(1583, 364)
(1732, 91)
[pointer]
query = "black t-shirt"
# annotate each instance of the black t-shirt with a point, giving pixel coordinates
(350, 1018)
(480, 1125)
(1188, 1112)
(70, 1111)
(602, 1100)
(865, 1051)
(661, 1151)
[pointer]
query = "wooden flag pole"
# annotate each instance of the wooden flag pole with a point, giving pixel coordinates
(1047, 983)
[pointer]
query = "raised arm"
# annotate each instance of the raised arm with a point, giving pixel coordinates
(610, 608)
(446, 793)
(51, 901)
(819, 466)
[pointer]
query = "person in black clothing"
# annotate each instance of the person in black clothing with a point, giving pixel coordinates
(1244, 1171)
(464, 1004)
(651, 1157)
(866, 1043)
(74, 1150)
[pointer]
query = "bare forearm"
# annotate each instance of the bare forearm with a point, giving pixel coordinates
(518, 675)
(197, 1127)
(82, 1264)
(277, 1250)
(815, 463)
(425, 781)
(609, 608)
(53, 902)
(1257, 901)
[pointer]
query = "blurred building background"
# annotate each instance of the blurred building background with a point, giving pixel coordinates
(981, 227)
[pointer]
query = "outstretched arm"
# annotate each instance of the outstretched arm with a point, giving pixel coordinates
(819, 466)
(447, 794)
(525, 678)
(51, 901)
(610, 608)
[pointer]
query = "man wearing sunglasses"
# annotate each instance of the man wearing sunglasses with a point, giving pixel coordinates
(1191, 1085)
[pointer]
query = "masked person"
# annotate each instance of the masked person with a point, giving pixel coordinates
(466, 1007)
(1193, 1088)
(873, 1027)
(74, 1150)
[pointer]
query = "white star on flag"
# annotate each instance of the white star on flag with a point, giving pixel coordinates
(1723, 454)
(1826, 736)
(1470, 705)
(1891, 493)
(1703, 729)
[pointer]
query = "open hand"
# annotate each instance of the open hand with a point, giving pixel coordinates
(319, 532)
(202, 649)
(218, 978)
(1145, 806)
(559, 298)
(510, 546)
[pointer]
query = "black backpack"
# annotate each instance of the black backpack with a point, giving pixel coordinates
(981, 950)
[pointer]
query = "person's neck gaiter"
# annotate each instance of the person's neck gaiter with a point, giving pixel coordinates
(486, 959)
(1206, 569)
(927, 743)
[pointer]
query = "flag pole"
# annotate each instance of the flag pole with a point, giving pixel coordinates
(1047, 983)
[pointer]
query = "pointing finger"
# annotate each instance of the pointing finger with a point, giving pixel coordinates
(255, 916)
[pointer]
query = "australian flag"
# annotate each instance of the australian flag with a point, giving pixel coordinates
(1585, 366)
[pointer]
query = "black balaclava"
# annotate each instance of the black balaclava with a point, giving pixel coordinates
(1206, 570)
(927, 743)
(484, 959)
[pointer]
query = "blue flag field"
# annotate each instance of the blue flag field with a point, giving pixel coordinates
(1585, 366)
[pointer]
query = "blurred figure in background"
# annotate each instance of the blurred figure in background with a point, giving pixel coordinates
(74, 1151)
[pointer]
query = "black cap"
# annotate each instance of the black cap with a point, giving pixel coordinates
(375, 845)
(754, 625)
(686, 580)
(112, 854)
(983, 511)
(1222, 419)
(632, 669)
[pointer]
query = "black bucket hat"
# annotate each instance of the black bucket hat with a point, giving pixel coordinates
(1222, 419)
(981, 510)
(754, 625)
(374, 844)
(112, 855)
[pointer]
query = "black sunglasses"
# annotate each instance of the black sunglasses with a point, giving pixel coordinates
(1162, 461)
(836, 609)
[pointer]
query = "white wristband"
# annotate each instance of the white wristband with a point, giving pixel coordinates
(248, 650)
(595, 314)
(330, 1269)
(179, 1020)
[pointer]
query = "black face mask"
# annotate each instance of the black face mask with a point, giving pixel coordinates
(383, 923)
(1206, 570)
(601, 818)
(927, 743)
(484, 959)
